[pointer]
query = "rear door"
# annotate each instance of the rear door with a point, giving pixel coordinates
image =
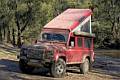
(87, 46)
(79, 49)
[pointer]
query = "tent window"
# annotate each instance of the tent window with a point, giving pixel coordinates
(86, 27)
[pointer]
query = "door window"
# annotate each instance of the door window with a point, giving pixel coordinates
(72, 42)
(88, 42)
(79, 42)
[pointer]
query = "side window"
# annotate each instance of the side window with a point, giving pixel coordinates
(86, 27)
(87, 42)
(72, 42)
(79, 42)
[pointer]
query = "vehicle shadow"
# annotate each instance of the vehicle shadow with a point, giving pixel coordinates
(9, 65)
(12, 67)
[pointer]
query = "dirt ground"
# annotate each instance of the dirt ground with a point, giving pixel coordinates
(104, 68)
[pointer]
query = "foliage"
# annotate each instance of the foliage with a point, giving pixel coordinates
(25, 19)
(106, 13)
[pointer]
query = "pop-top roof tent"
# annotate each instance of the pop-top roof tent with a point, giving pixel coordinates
(71, 19)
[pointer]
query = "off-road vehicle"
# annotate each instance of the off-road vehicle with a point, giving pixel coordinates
(65, 40)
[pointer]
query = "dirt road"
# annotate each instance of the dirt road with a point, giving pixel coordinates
(104, 68)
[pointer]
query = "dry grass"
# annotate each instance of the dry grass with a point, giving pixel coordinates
(111, 53)
(7, 55)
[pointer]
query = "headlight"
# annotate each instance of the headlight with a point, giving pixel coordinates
(49, 54)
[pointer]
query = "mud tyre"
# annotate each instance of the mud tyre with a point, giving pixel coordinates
(58, 69)
(85, 67)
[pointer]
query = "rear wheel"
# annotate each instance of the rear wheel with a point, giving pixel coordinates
(24, 67)
(84, 67)
(58, 69)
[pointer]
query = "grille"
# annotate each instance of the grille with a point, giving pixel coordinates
(35, 53)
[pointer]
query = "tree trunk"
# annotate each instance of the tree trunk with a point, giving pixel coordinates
(0, 35)
(4, 33)
(8, 36)
(18, 30)
(117, 44)
(113, 30)
(13, 36)
(18, 36)
(19, 39)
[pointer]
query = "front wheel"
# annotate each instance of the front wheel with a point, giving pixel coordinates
(25, 68)
(85, 66)
(58, 69)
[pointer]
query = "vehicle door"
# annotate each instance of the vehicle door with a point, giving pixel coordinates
(71, 52)
(79, 49)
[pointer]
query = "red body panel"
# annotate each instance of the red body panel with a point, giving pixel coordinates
(77, 54)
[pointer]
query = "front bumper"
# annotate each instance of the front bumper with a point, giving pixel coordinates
(36, 56)
(37, 62)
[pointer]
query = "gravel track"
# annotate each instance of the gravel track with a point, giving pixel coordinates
(104, 68)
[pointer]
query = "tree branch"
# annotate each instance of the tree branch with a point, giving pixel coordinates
(23, 28)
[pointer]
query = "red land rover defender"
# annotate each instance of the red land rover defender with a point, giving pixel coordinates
(66, 40)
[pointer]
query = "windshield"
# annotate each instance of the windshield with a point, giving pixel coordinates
(54, 37)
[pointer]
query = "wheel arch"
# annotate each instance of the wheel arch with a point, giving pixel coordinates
(84, 57)
(63, 57)
(88, 57)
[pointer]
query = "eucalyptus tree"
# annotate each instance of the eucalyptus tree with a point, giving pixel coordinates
(107, 14)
